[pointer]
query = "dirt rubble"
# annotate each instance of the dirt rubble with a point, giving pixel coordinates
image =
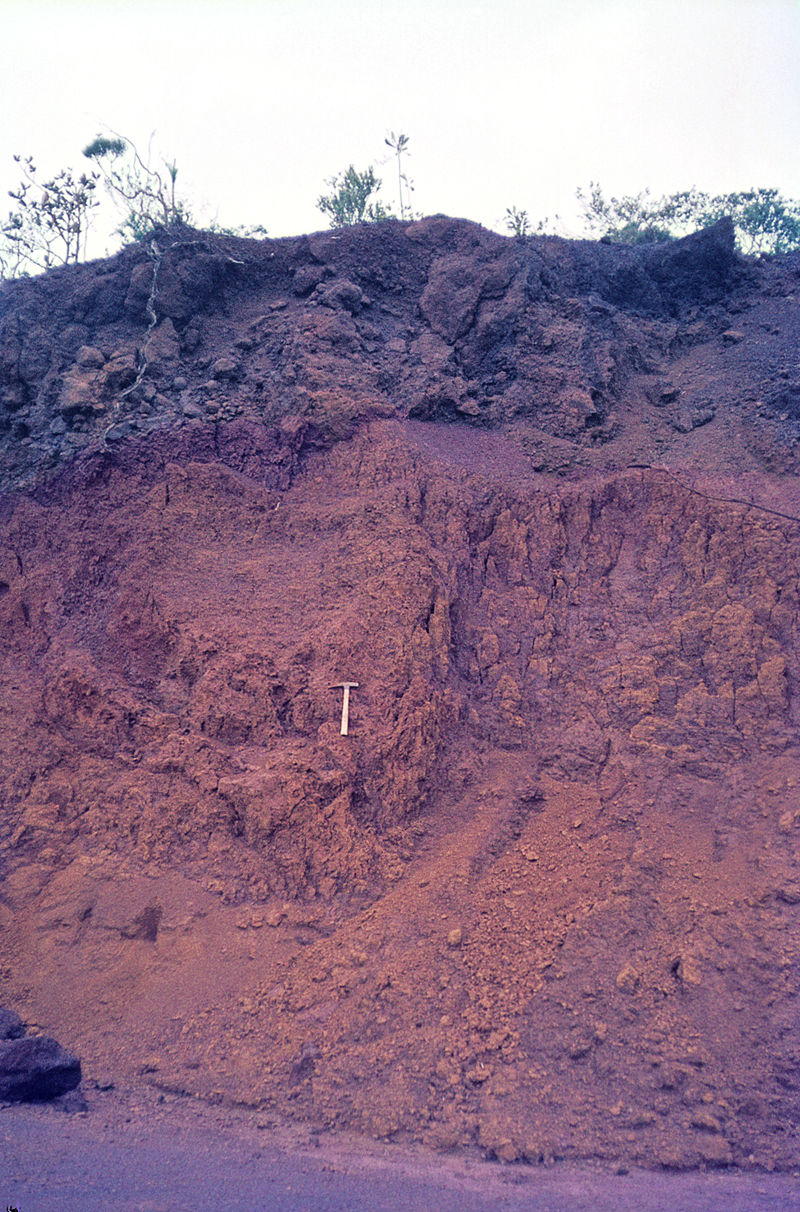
(540, 500)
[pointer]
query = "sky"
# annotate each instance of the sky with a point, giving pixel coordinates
(505, 103)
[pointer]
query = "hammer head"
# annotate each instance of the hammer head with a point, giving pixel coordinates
(344, 685)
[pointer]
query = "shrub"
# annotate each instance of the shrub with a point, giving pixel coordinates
(349, 202)
(145, 195)
(51, 222)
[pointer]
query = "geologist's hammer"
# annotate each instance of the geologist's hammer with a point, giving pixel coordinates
(346, 687)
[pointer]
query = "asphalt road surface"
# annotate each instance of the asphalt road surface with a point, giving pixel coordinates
(133, 1152)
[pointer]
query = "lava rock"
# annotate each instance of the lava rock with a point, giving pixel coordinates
(226, 369)
(10, 1025)
(90, 358)
(35, 1068)
(119, 431)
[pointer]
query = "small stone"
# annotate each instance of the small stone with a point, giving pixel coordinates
(121, 370)
(342, 293)
(10, 1025)
(90, 358)
(628, 979)
(163, 344)
(580, 1046)
(706, 1121)
(732, 336)
(192, 411)
(306, 279)
(716, 1151)
(226, 368)
(641, 1119)
(455, 937)
(505, 1150)
(690, 418)
(145, 925)
(688, 969)
(78, 393)
(117, 432)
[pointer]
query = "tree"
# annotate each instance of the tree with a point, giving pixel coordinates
(349, 202)
(51, 222)
(765, 222)
(146, 196)
(632, 219)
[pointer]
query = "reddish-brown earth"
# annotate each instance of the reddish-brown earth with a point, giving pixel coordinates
(541, 501)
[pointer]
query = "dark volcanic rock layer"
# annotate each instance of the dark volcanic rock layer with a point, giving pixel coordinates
(437, 320)
(540, 501)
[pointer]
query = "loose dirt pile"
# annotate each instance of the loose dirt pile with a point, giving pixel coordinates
(539, 499)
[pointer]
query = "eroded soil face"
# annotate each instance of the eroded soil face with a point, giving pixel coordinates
(543, 896)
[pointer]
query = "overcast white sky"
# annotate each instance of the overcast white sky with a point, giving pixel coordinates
(505, 102)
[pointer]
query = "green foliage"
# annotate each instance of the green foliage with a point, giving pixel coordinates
(146, 196)
(350, 199)
(248, 231)
(101, 145)
(765, 222)
(399, 145)
(50, 223)
(632, 219)
(517, 222)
